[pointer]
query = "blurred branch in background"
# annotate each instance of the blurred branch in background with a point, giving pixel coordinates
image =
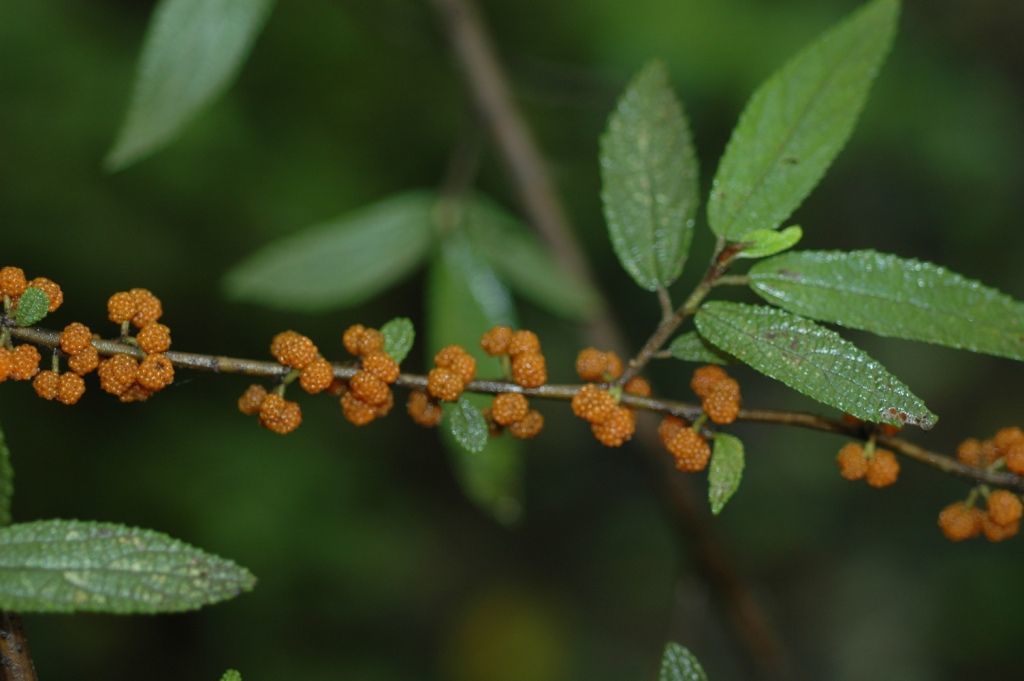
(522, 158)
(15, 657)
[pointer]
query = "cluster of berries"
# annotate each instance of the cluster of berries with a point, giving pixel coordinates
(368, 393)
(963, 520)
(453, 369)
(1006, 446)
(528, 366)
(613, 424)
(124, 376)
(879, 467)
(512, 411)
(719, 394)
(21, 363)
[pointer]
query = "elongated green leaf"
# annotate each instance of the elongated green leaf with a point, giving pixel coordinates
(797, 122)
(75, 566)
(523, 262)
(726, 471)
(33, 305)
(690, 347)
(341, 262)
(231, 675)
(813, 360)
(464, 299)
(893, 296)
(399, 334)
(6, 482)
(764, 242)
(192, 52)
(649, 180)
(679, 664)
(467, 425)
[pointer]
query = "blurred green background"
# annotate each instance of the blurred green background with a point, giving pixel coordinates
(372, 564)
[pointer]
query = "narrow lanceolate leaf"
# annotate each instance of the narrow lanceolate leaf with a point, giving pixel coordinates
(231, 675)
(726, 471)
(690, 347)
(192, 52)
(6, 482)
(33, 305)
(895, 297)
(464, 299)
(340, 262)
(796, 123)
(399, 335)
(649, 180)
(74, 566)
(467, 425)
(679, 664)
(524, 263)
(764, 242)
(813, 360)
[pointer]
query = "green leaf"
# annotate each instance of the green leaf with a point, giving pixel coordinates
(690, 347)
(524, 263)
(192, 52)
(231, 675)
(764, 242)
(797, 122)
(649, 180)
(813, 360)
(679, 664)
(33, 305)
(341, 262)
(467, 425)
(726, 470)
(895, 297)
(464, 299)
(75, 566)
(6, 482)
(399, 335)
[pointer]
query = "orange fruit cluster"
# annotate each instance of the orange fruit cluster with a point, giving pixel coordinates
(1007, 445)
(529, 368)
(719, 394)
(879, 468)
(689, 448)
(453, 369)
(512, 411)
(122, 375)
(368, 394)
(13, 283)
(961, 521)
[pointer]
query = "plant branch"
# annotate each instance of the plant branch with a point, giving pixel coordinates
(15, 657)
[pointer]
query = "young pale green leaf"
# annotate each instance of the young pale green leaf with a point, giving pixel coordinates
(797, 122)
(679, 664)
(192, 52)
(649, 180)
(813, 360)
(524, 263)
(467, 425)
(464, 299)
(33, 305)
(75, 566)
(690, 347)
(6, 482)
(726, 470)
(232, 675)
(341, 262)
(895, 297)
(764, 242)
(399, 334)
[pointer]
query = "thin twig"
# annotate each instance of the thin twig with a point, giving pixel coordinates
(15, 657)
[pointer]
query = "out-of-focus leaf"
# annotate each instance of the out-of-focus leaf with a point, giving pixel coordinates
(679, 664)
(399, 334)
(894, 296)
(764, 242)
(690, 347)
(75, 566)
(797, 122)
(192, 52)
(231, 675)
(726, 470)
(813, 360)
(649, 180)
(524, 263)
(341, 262)
(6, 482)
(464, 299)
(33, 305)
(467, 425)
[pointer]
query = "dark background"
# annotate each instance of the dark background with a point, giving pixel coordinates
(372, 565)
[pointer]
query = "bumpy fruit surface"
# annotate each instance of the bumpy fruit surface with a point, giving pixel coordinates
(423, 410)
(293, 350)
(883, 469)
(668, 427)
(851, 460)
(591, 364)
(5, 364)
(280, 416)
(381, 365)
(148, 308)
(523, 341)
(1015, 458)
(705, 378)
(46, 384)
(527, 427)
(456, 359)
(71, 389)
(24, 362)
(250, 401)
(154, 338)
(84, 362)
(495, 341)
(121, 307)
(508, 408)
(117, 374)
(529, 369)
(351, 337)
(317, 376)
(593, 404)
(690, 450)
(617, 429)
(155, 373)
(12, 282)
(1006, 437)
(995, 532)
(75, 337)
(638, 386)
(52, 290)
(1004, 507)
(444, 384)
(959, 522)
(357, 412)
(369, 389)
(968, 452)
(722, 404)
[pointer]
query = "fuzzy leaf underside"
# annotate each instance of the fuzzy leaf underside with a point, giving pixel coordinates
(726, 470)
(679, 664)
(399, 335)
